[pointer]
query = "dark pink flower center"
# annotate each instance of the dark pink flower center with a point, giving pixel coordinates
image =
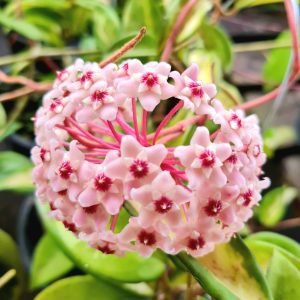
(66, 93)
(43, 153)
(163, 205)
(232, 159)
(150, 79)
(256, 150)
(61, 75)
(235, 122)
(196, 244)
(106, 249)
(125, 67)
(139, 168)
(65, 170)
(56, 106)
(247, 198)
(90, 209)
(62, 192)
(213, 207)
(70, 226)
(196, 89)
(87, 76)
(146, 238)
(208, 158)
(99, 96)
(102, 182)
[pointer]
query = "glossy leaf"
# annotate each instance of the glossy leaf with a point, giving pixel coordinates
(277, 239)
(277, 61)
(217, 41)
(9, 260)
(15, 172)
(239, 4)
(129, 268)
(3, 118)
(49, 263)
(277, 137)
(283, 278)
(274, 204)
(194, 19)
(234, 266)
(263, 252)
(145, 48)
(137, 14)
(228, 94)
(22, 27)
(86, 287)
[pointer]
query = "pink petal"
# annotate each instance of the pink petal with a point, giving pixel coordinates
(116, 169)
(142, 195)
(163, 68)
(163, 182)
(186, 155)
(210, 89)
(86, 114)
(192, 72)
(130, 147)
(223, 151)
(79, 217)
(218, 178)
(201, 137)
(156, 154)
(128, 87)
(149, 101)
(112, 203)
(88, 197)
(108, 112)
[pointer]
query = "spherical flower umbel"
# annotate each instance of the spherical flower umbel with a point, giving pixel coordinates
(96, 162)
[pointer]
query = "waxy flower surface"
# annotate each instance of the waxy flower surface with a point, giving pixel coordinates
(121, 187)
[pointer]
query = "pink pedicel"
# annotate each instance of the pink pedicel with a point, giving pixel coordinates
(95, 152)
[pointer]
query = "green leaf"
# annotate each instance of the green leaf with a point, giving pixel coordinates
(137, 14)
(15, 172)
(3, 118)
(283, 278)
(228, 94)
(22, 27)
(49, 263)
(278, 137)
(9, 260)
(274, 69)
(145, 48)
(194, 20)
(274, 204)
(86, 287)
(106, 25)
(277, 239)
(234, 266)
(217, 41)
(239, 4)
(9, 129)
(129, 268)
(263, 252)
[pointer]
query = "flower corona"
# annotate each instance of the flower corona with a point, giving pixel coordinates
(95, 154)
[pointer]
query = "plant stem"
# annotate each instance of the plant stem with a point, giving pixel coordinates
(209, 283)
(9, 275)
(176, 29)
(260, 46)
(127, 47)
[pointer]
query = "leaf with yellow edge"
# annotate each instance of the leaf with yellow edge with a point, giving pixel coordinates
(234, 265)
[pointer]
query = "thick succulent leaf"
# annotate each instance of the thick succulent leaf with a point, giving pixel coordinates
(228, 94)
(49, 263)
(86, 287)
(15, 172)
(277, 137)
(234, 266)
(10, 260)
(217, 41)
(137, 14)
(239, 4)
(277, 61)
(274, 204)
(129, 268)
(263, 244)
(283, 278)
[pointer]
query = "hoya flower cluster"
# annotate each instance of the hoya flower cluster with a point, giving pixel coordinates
(96, 157)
